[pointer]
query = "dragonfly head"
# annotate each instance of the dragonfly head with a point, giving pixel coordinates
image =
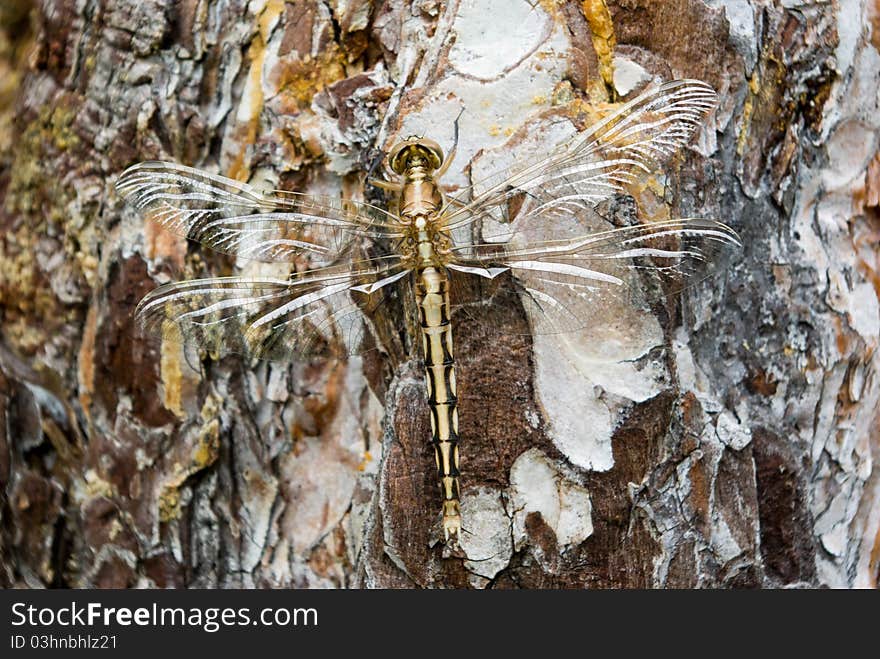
(412, 150)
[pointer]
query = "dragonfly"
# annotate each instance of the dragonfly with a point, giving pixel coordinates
(537, 235)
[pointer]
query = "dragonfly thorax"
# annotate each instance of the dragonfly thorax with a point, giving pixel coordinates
(419, 198)
(416, 159)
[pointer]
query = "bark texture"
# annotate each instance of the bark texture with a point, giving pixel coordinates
(728, 443)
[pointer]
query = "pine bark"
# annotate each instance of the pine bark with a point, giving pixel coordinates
(727, 442)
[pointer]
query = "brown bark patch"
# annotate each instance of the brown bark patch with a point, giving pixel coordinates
(164, 571)
(736, 501)
(787, 545)
(114, 573)
(683, 568)
(123, 352)
(621, 551)
(691, 38)
(789, 87)
(35, 504)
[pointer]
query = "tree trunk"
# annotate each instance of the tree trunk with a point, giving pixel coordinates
(727, 443)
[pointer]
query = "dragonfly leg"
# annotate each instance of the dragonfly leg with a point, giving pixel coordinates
(456, 202)
(451, 155)
(391, 186)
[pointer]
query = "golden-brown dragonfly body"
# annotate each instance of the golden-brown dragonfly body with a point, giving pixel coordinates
(419, 203)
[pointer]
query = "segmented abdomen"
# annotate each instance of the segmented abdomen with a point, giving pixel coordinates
(432, 290)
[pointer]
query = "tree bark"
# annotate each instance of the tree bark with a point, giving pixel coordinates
(727, 442)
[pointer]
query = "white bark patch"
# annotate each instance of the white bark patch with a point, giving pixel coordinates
(537, 486)
(850, 27)
(849, 444)
(731, 432)
(632, 380)
(322, 486)
(573, 373)
(850, 149)
(259, 496)
(864, 312)
(832, 525)
(494, 36)
(488, 64)
(277, 389)
(628, 75)
(823, 219)
(690, 376)
(837, 296)
(724, 545)
(486, 536)
(578, 423)
(741, 16)
(576, 371)
(322, 473)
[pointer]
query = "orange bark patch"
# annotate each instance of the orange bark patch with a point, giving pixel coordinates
(761, 382)
(252, 99)
(604, 42)
(162, 243)
(874, 20)
(86, 364)
(872, 183)
(298, 80)
(699, 491)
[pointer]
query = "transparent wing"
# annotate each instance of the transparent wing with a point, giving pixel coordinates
(569, 283)
(593, 165)
(315, 313)
(236, 218)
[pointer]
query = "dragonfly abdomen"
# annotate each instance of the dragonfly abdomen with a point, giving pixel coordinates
(432, 291)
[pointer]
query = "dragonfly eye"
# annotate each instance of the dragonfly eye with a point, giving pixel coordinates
(403, 154)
